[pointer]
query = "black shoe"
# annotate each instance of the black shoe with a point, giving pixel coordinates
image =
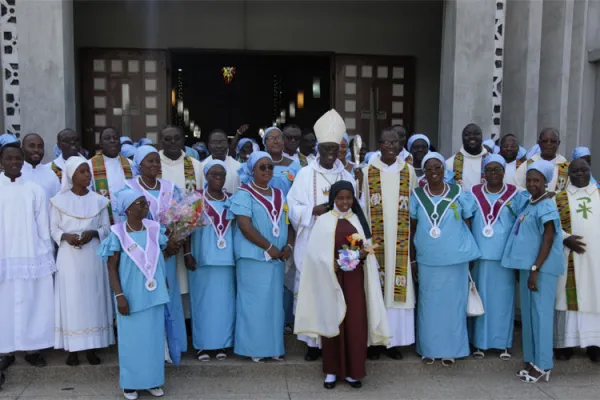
(355, 384)
(394, 353)
(329, 385)
(6, 361)
(2, 379)
(593, 353)
(373, 353)
(93, 358)
(312, 353)
(563, 354)
(72, 360)
(36, 360)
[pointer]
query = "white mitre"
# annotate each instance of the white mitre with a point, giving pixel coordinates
(330, 128)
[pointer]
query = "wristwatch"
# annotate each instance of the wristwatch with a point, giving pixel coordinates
(534, 268)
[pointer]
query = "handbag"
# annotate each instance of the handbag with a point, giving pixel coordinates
(474, 303)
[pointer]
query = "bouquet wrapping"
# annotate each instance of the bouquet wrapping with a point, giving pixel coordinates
(183, 217)
(349, 256)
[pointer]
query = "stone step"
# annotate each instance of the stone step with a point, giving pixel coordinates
(293, 366)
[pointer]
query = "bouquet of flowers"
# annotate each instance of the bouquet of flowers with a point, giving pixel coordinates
(349, 255)
(184, 216)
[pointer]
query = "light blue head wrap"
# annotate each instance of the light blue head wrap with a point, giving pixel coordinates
(211, 164)
(200, 147)
(368, 156)
(269, 129)
(489, 143)
(580, 151)
(241, 144)
(141, 153)
(546, 168)
(190, 152)
(57, 151)
(433, 154)
(533, 151)
(494, 158)
(346, 138)
(246, 172)
(7, 138)
(124, 139)
(125, 199)
(128, 150)
(416, 137)
(522, 152)
(143, 142)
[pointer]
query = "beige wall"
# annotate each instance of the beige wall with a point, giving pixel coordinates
(407, 28)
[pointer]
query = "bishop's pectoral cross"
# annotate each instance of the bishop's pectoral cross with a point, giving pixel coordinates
(126, 112)
(583, 208)
(373, 114)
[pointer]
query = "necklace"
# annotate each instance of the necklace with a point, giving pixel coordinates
(259, 187)
(446, 189)
(534, 202)
(213, 198)
(141, 180)
(131, 229)
(278, 161)
(326, 190)
(490, 192)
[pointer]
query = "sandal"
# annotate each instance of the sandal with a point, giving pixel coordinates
(534, 379)
(221, 355)
(36, 360)
(478, 354)
(428, 360)
(258, 360)
(505, 355)
(280, 359)
(202, 355)
(447, 362)
(525, 371)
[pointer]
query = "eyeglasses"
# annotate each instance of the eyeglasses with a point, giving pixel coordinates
(141, 203)
(548, 141)
(388, 143)
(274, 138)
(265, 167)
(495, 170)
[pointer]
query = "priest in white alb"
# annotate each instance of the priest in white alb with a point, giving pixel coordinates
(577, 316)
(509, 150)
(218, 146)
(387, 184)
(548, 142)
(69, 144)
(33, 169)
(26, 264)
(110, 169)
(467, 164)
(309, 196)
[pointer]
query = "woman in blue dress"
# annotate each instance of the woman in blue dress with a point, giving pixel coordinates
(497, 208)
(535, 248)
(160, 194)
(137, 276)
(263, 243)
(439, 215)
(212, 283)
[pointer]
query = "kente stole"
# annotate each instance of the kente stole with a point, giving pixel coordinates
(189, 174)
(563, 175)
(409, 159)
(56, 170)
(302, 159)
(101, 179)
(375, 200)
(459, 161)
(520, 162)
(562, 202)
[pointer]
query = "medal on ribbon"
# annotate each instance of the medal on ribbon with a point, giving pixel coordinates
(491, 212)
(436, 211)
(165, 196)
(219, 221)
(274, 208)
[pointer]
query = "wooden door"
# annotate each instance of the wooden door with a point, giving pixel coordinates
(373, 93)
(124, 89)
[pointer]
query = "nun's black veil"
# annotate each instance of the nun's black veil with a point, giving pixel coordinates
(345, 185)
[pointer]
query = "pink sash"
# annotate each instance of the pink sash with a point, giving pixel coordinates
(219, 222)
(165, 197)
(491, 212)
(145, 259)
(274, 208)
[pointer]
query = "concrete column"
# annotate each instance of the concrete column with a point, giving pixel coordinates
(47, 68)
(467, 70)
(523, 40)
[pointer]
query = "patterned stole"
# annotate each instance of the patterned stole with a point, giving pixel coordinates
(520, 162)
(302, 159)
(188, 173)
(403, 233)
(562, 202)
(409, 159)
(101, 179)
(458, 166)
(56, 170)
(563, 175)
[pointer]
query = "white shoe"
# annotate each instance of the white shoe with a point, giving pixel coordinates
(157, 392)
(532, 379)
(478, 354)
(130, 395)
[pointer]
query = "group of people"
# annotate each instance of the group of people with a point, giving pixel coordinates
(358, 259)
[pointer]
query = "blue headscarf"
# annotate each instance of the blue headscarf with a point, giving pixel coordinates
(124, 139)
(7, 138)
(143, 142)
(57, 151)
(269, 129)
(246, 172)
(546, 168)
(141, 153)
(522, 152)
(580, 151)
(416, 137)
(494, 158)
(125, 199)
(128, 150)
(489, 143)
(533, 151)
(190, 152)
(241, 144)
(211, 164)
(347, 140)
(433, 154)
(368, 156)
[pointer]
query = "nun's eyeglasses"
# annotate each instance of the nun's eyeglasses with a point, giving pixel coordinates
(495, 170)
(264, 167)
(141, 203)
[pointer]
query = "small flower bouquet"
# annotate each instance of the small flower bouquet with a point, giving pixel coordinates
(349, 255)
(184, 216)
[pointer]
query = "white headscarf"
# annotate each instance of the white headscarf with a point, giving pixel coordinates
(68, 171)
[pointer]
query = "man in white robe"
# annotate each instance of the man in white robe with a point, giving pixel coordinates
(218, 146)
(69, 144)
(306, 151)
(404, 153)
(291, 141)
(466, 165)
(548, 142)
(309, 195)
(33, 170)
(390, 169)
(26, 264)
(509, 150)
(577, 316)
(173, 161)
(110, 169)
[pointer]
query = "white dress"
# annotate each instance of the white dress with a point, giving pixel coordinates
(83, 308)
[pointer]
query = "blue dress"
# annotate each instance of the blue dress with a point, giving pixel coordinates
(537, 308)
(141, 334)
(212, 288)
(443, 269)
(175, 305)
(496, 285)
(259, 317)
